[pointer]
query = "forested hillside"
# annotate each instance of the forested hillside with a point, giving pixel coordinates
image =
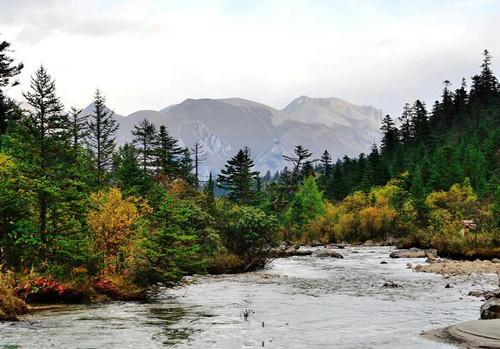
(79, 213)
(439, 166)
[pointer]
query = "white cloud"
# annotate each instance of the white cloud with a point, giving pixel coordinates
(147, 55)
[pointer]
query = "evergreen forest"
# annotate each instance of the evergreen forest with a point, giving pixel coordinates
(90, 220)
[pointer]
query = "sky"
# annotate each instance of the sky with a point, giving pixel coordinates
(149, 54)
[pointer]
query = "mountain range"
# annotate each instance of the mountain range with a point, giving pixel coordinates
(223, 126)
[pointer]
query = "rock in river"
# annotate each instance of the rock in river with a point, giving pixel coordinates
(491, 309)
(326, 252)
(293, 252)
(414, 253)
(315, 243)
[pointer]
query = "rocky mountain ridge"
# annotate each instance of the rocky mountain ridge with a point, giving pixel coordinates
(223, 126)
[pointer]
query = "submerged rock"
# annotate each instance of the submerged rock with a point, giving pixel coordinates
(326, 252)
(491, 309)
(390, 284)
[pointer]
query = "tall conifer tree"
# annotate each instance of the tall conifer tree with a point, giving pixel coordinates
(102, 127)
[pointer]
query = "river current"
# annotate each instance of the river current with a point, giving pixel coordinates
(297, 302)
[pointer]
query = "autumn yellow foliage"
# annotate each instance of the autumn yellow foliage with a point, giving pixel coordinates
(112, 220)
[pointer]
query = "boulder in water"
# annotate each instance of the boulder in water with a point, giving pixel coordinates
(369, 243)
(293, 252)
(326, 252)
(315, 243)
(411, 253)
(491, 309)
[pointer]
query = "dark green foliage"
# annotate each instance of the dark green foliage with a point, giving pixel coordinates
(128, 174)
(238, 178)
(485, 89)
(145, 140)
(102, 127)
(53, 181)
(305, 206)
(7, 71)
(405, 129)
(77, 130)
(168, 154)
(459, 139)
(173, 240)
(246, 229)
(390, 138)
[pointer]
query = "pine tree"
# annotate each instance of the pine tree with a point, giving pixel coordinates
(145, 140)
(128, 174)
(485, 89)
(326, 161)
(307, 169)
(186, 167)
(43, 147)
(405, 128)
(447, 109)
(199, 159)
(461, 97)
(300, 156)
(209, 188)
(7, 71)
(267, 177)
(238, 177)
(419, 127)
(102, 127)
(337, 188)
(77, 129)
(389, 135)
(377, 171)
(168, 154)
(439, 171)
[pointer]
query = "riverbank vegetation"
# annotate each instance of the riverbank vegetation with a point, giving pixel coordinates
(82, 219)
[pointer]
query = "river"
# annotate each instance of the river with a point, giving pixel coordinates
(297, 302)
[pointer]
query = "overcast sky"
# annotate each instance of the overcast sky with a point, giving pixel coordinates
(150, 54)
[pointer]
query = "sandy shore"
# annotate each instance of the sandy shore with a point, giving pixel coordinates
(470, 334)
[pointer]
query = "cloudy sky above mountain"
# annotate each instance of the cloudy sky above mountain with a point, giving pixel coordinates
(146, 54)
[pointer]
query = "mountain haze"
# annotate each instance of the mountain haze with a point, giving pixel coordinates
(225, 125)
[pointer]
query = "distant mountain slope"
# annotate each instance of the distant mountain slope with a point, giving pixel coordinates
(363, 121)
(225, 125)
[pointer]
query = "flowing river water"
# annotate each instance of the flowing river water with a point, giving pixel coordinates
(297, 302)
